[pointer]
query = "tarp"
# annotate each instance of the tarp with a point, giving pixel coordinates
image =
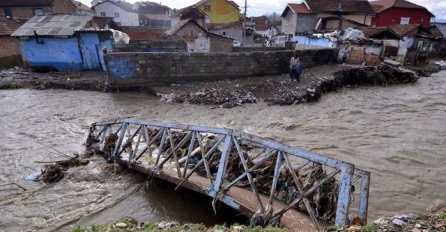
(352, 35)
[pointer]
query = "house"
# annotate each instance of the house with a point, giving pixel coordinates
(123, 13)
(261, 25)
(199, 39)
(80, 8)
(220, 17)
(192, 12)
(64, 42)
(333, 23)
(388, 12)
(26, 9)
(233, 30)
(219, 11)
(302, 18)
(154, 15)
(417, 43)
(9, 46)
(441, 27)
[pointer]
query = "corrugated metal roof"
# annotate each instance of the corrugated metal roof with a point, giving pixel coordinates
(53, 25)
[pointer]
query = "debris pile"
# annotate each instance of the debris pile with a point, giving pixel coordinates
(323, 200)
(55, 171)
(212, 96)
(411, 222)
(12, 71)
(287, 94)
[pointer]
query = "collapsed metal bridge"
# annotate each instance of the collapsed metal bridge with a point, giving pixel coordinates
(251, 174)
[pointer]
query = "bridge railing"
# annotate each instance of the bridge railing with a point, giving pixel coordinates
(229, 158)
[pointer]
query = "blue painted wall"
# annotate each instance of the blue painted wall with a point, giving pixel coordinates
(60, 53)
(90, 54)
(65, 54)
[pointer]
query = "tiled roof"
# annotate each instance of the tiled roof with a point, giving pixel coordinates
(405, 29)
(299, 8)
(373, 32)
(53, 25)
(179, 25)
(381, 5)
(151, 35)
(342, 6)
(26, 2)
(8, 26)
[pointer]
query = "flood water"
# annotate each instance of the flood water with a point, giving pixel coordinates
(397, 133)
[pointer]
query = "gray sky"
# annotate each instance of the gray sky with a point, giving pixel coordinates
(260, 7)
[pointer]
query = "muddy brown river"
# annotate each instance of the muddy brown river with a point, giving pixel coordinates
(397, 133)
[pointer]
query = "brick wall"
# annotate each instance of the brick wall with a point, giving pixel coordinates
(9, 52)
(125, 69)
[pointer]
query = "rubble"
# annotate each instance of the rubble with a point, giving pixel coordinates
(212, 96)
(55, 171)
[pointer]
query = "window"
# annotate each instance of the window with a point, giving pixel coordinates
(7, 12)
(405, 20)
(38, 11)
(116, 15)
(224, 33)
(103, 14)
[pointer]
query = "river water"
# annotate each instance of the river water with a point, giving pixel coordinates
(397, 133)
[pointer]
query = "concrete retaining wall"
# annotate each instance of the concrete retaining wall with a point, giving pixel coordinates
(144, 68)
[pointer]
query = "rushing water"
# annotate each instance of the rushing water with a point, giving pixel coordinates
(398, 133)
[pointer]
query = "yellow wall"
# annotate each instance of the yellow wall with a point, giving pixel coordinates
(221, 11)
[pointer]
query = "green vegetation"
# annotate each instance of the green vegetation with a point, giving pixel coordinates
(129, 225)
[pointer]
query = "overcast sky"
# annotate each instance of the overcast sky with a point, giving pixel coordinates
(260, 7)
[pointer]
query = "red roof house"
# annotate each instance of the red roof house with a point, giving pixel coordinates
(389, 12)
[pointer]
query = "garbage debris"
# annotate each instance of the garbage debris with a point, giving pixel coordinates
(55, 171)
(212, 96)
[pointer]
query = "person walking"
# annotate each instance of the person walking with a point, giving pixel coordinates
(294, 64)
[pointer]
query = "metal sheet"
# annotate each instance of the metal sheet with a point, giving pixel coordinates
(53, 25)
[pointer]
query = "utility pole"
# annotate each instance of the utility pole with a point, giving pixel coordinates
(244, 24)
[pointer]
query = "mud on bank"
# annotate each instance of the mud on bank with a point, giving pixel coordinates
(281, 91)
(275, 90)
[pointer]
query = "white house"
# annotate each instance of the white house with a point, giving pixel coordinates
(123, 13)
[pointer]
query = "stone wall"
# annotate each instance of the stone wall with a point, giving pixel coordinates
(127, 69)
(220, 44)
(155, 46)
(258, 49)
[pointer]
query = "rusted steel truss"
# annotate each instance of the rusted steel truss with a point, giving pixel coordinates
(188, 148)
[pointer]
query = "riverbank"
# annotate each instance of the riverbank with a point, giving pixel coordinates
(432, 222)
(275, 90)
(393, 132)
